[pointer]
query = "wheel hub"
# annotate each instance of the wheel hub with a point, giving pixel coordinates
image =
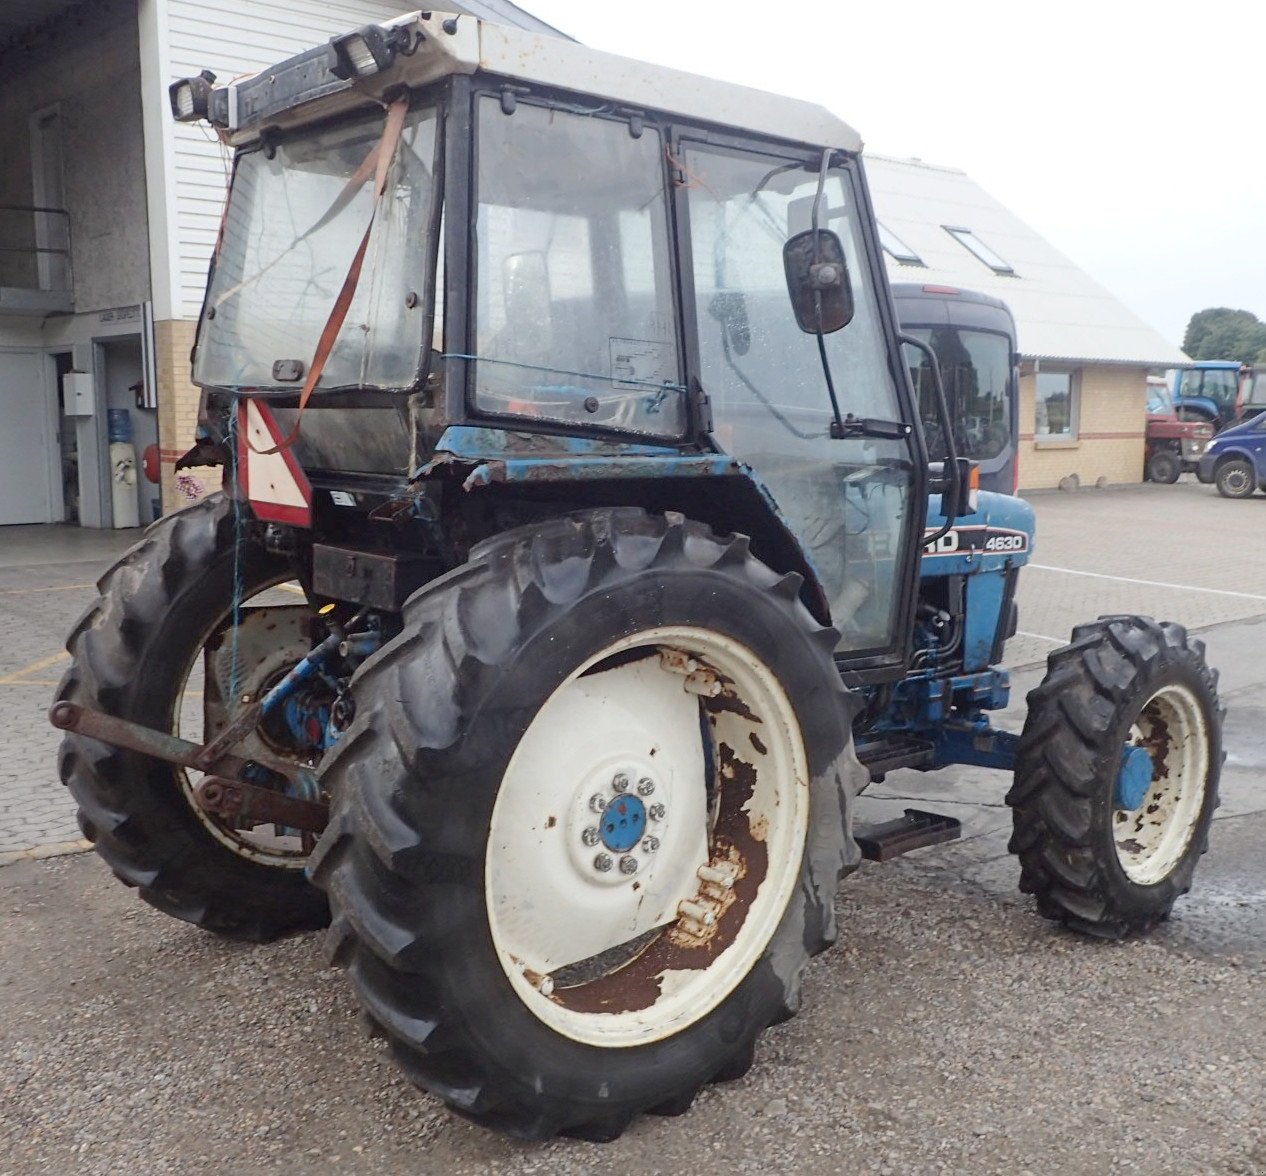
(1134, 779)
(622, 823)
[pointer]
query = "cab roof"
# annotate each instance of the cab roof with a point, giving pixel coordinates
(301, 89)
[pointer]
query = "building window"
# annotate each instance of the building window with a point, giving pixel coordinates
(895, 247)
(975, 246)
(1056, 406)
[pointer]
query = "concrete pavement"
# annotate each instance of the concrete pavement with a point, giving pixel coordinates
(1176, 552)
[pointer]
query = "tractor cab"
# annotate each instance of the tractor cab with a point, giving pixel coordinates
(461, 264)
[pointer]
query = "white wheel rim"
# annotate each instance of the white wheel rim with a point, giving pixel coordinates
(284, 851)
(694, 935)
(1152, 839)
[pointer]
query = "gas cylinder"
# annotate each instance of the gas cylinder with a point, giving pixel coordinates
(123, 492)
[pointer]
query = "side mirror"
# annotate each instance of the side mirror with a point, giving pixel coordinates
(818, 282)
(729, 308)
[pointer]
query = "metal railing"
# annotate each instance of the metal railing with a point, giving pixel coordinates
(34, 247)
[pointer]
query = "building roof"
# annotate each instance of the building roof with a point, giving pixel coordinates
(1061, 312)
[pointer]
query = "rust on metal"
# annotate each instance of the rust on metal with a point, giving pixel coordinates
(233, 800)
(70, 716)
(689, 944)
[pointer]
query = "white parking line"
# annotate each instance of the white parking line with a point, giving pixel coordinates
(1042, 637)
(1151, 583)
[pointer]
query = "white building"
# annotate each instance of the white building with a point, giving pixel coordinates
(1085, 357)
(108, 214)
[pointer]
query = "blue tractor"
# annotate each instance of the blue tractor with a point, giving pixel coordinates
(1211, 391)
(579, 562)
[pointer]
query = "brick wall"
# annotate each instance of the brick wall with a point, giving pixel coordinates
(1112, 414)
(178, 415)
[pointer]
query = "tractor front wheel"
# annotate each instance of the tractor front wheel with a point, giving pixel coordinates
(1116, 777)
(589, 822)
(1164, 466)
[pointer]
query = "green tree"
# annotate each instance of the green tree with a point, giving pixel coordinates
(1222, 333)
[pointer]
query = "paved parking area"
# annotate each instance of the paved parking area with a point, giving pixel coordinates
(47, 578)
(950, 1031)
(1176, 552)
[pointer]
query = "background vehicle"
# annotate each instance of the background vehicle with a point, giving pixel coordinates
(1210, 391)
(1173, 446)
(973, 336)
(1252, 392)
(577, 424)
(1234, 461)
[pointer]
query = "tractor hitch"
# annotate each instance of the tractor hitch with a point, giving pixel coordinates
(70, 716)
(235, 801)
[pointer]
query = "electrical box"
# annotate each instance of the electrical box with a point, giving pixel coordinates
(78, 394)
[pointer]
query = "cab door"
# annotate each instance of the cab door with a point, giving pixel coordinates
(857, 504)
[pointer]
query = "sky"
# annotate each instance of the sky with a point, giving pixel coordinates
(1132, 136)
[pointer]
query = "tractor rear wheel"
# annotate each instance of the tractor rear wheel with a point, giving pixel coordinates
(1236, 478)
(1164, 467)
(1116, 778)
(158, 649)
(589, 821)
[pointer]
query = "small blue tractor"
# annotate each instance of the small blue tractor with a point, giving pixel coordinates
(579, 561)
(1212, 391)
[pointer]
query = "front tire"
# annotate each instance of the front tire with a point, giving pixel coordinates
(1236, 478)
(166, 601)
(1164, 467)
(576, 691)
(1116, 777)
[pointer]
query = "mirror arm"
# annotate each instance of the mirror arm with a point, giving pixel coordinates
(837, 418)
(951, 490)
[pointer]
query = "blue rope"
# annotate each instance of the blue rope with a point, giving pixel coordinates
(666, 385)
(239, 589)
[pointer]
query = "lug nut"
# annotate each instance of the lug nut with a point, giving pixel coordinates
(591, 836)
(650, 844)
(656, 812)
(597, 802)
(645, 786)
(602, 863)
(621, 782)
(628, 865)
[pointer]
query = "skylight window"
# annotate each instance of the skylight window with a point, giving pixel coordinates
(896, 248)
(974, 245)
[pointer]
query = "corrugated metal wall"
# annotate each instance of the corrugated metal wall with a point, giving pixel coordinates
(255, 34)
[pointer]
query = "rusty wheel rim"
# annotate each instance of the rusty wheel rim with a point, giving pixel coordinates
(647, 837)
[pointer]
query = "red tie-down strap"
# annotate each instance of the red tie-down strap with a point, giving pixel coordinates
(383, 153)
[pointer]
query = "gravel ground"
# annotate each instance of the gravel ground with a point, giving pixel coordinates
(949, 1031)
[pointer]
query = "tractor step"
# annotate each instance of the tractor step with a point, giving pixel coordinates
(916, 829)
(887, 753)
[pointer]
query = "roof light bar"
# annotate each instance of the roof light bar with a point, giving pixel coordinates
(368, 50)
(191, 97)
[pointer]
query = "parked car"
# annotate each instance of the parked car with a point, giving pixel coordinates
(1173, 446)
(1235, 460)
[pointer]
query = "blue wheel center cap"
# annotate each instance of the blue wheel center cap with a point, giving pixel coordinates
(1134, 780)
(622, 823)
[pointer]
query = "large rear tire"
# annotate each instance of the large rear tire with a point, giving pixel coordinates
(1116, 777)
(589, 822)
(133, 652)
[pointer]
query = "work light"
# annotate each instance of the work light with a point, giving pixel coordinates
(190, 97)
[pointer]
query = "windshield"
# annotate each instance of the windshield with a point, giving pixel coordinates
(296, 216)
(976, 371)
